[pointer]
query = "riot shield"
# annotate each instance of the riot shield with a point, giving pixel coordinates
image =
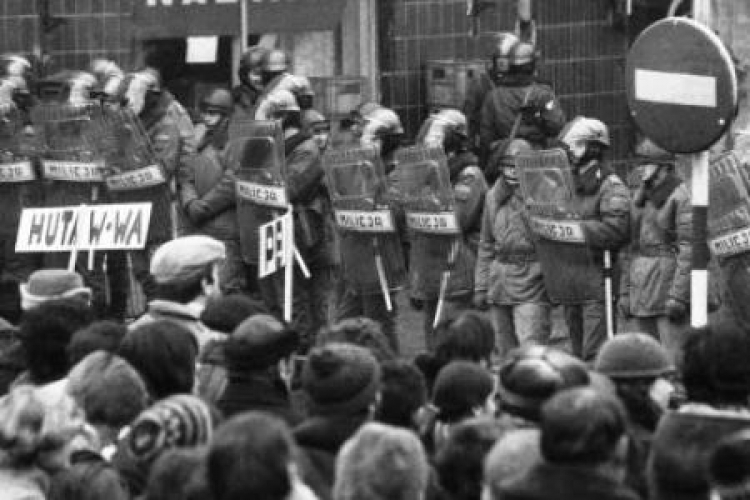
(434, 232)
(16, 169)
(70, 155)
(256, 153)
(133, 171)
(570, 273)
(729, 228)
(372, 258)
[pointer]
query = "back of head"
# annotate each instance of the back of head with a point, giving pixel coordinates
(515, 453)
(403, 393)
(459, 461)
(46, 331)
(360, 331)
(381, 462)
(341, 379)
(715, 370)
(581, 426)
(729, 467)
(164, 354)
(258, 343)
(460, 388)
(108, 389)
(98, 336)
(176, 474)
(468, 336)
(531, 375)
(225, 313)
(250, 457)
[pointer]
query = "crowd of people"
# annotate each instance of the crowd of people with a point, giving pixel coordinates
(494, 216)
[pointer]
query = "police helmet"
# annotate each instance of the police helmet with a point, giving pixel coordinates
(218, 100)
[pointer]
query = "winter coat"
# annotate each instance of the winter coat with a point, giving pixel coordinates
(682, 447)
(201, 173)
(89, 477)
(503, 105)
(469, 188)
(258, 391)
(320, 439)
(548, 481)
(304, 182)
(508, 269)
(184, 315)
(211, 375)
(479, 88)
(656, 265)
(171, 131)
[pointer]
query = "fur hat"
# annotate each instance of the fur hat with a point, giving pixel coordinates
(340, 379)
(531, 375)
(633, 355)
(381, 462)
(50, 284)
(259, 342)
(512, 455)
(108, 389)
(180, 421)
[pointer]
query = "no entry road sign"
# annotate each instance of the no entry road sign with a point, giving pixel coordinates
(681, 85)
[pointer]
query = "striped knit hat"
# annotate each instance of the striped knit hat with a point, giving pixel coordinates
(181, 421)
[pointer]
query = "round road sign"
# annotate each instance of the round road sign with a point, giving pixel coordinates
(681, 85)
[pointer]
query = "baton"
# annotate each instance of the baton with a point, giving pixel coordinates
(608, 294)
(444, 279)
(381, 275)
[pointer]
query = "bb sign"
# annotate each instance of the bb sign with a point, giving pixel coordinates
(681, 85)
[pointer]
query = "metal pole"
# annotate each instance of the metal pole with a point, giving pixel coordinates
(608, 311)
(243, 25)
(699, 267)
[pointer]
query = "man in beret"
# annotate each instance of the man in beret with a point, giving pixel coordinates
(186, 272)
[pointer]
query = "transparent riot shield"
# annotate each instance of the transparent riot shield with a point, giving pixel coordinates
(729, 228)
(434, 232)
(133, 171)
(372, 258)
(16, 170)
(570, 274)
(256, 153)
(71, 156)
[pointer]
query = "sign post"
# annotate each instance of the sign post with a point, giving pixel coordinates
(682, 93)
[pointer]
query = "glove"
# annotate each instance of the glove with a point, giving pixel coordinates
(480, 301)
(416, 304)
(623, 305)
(676, 309)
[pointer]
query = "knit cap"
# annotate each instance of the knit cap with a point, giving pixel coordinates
(633, 355)
(461, 386)
(259, 342)
(180, 421)
(108, 389)
(340, 379)
(512, 455)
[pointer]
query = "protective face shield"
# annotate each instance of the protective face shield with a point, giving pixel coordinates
(579, 133)
(445, 126)
(139, 86)
(378, 124)
(14, 65)
(279, 103)
(81, 88)
(508, 165)
(251, 64)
